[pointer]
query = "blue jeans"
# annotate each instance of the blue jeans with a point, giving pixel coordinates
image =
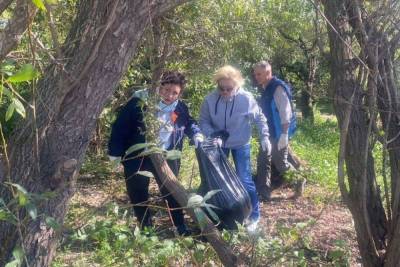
(241, 158)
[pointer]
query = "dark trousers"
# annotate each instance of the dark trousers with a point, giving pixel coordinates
(138, 189)
(263, 176)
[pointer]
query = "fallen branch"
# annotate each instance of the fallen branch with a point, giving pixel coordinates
(168, 179)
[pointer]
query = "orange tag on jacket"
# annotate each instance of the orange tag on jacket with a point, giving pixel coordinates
(174, 116)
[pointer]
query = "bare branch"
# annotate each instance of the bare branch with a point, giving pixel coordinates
(12, 34)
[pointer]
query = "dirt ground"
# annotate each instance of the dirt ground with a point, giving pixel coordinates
(332, 225)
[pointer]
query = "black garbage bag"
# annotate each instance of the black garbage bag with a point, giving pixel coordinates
(217, 173)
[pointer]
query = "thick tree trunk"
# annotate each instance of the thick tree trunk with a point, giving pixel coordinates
(168, 179)
(98, 49)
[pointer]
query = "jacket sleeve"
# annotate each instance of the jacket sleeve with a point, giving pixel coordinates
(122, 128)
(205, 119)
(191, 126)
(283, 105)
(258, 118)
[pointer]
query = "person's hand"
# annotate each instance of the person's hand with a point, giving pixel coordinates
(283, 141)
(266, 145)
(218, 142)
(198, 139)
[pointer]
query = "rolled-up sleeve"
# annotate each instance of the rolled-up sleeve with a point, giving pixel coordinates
(283, 105)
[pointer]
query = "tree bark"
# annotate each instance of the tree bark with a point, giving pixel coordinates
(10, 37)
(101, 43)
(168, 179)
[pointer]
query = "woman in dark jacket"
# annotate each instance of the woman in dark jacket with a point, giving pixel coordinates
(129, 129)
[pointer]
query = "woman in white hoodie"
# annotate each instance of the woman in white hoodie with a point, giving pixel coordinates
(227, 114)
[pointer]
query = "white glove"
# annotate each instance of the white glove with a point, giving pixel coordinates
(198, 139)
(218, 142)
(283, 141)
(266, 145)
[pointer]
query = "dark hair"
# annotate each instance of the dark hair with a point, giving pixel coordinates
(173, 77)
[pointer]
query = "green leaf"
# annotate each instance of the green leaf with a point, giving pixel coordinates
(50, 221)
(7, 92)
(212, 213)
(194, 201)
(26, 73)
(32, 211)
(22, 199)
(10, 111)
(52, 2)
(13, 263)
(3, 215)
(201, 217)
(19, 107)
(18, 253)
(153, 150)
(210, 194)
(145, 173)
(20, 188)
(137, 147)
(18, 256)
(39, 4)
(173, 154)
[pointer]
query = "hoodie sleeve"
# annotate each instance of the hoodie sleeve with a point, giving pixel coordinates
(258, 118)
(205, 119)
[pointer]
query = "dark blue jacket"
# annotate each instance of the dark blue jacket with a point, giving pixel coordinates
(270, 110)
(129, 129)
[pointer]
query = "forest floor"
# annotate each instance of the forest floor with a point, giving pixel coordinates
(323, 223)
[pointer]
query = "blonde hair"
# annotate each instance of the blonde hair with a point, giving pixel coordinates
(229, 72)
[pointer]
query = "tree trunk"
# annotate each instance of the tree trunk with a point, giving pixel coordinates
(98, 49)
(4, 5)
(167, 178)
(10, 37)
(375, 91)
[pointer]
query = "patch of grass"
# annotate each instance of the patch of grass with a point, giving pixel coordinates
(318, 145)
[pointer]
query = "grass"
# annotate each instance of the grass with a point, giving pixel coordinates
(318, 145)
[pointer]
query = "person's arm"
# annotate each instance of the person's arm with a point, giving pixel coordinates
(191, 125)
(122, 128)
(259, 119)
(283, 105)
(205, 119)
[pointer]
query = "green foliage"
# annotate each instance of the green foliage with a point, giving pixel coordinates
(116, 242)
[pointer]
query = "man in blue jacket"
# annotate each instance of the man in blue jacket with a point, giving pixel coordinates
(276, 105)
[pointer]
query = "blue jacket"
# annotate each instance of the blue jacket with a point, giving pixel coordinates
(270, 109)
(129, 129)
